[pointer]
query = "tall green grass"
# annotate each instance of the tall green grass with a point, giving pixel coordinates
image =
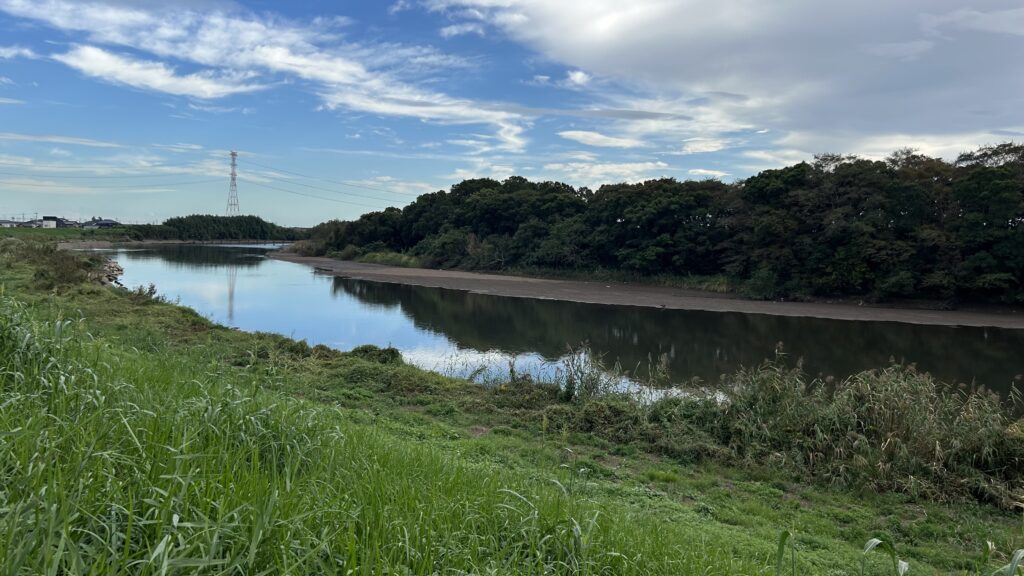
(390, 259)
(113, 461)
(890, 430)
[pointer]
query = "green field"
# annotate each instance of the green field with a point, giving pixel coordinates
(139, 438)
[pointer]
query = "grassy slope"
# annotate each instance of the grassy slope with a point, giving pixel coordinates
(64, 234)
(411, 469)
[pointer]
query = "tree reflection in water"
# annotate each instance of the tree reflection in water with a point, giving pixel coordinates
(695, 343)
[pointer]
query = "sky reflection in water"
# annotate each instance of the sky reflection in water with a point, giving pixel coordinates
(456, 332)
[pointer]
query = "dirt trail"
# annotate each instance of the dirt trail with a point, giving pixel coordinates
(649, 296)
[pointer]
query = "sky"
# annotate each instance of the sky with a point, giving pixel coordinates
(128, 109)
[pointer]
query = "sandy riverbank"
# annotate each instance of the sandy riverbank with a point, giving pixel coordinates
(649, 296)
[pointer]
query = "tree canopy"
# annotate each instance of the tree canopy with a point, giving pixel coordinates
(906, 226)
(207, 227)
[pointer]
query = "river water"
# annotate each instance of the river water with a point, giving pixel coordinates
(459, 333)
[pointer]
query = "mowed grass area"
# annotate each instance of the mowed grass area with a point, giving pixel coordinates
(140, 438)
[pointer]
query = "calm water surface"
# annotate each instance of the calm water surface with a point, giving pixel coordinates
(457, 332)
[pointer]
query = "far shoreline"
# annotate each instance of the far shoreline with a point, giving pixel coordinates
(114, 244)
(621, 294)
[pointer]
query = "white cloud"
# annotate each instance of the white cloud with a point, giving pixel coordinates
(9, 52)
(580, 156)
(594, 174)
(703, 145)
(180, 147)
(461, 29)
(772, 67)
(398, 186)
(577, 78)
(481, 168)
(235, 48)
(703, 172)
(155, 76)
(856, 78)
(43, 186)
(218, 109)
(1009, 21)
(130, 164)
(758, 160)
(70, 140)
(598, 139)
(10, 101)
(878, 146)
(399, 6)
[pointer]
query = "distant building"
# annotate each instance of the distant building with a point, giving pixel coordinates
(50, 222)
(9, 224)
(97, 223)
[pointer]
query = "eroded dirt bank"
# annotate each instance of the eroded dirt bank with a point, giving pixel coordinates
(650, 296)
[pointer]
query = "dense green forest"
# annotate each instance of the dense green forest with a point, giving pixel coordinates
(206, 227)
(908, 226)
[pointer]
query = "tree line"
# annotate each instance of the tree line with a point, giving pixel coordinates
(207, 227)
(907, 226)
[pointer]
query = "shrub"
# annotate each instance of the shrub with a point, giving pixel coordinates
(762, 285)
(376, 354)
(55, 267)
(892, 430)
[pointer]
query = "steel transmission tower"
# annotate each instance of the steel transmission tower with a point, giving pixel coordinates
(233, 190)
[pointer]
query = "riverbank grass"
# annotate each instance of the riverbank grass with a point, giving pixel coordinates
(143, 464)
(143, 439)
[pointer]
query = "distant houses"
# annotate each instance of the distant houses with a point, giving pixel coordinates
(59, 222)
(97, 223)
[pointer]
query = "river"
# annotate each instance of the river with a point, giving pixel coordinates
(459, 333)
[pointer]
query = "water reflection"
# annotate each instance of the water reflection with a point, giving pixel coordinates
(695, 343)
(232, 280)
(458, 332)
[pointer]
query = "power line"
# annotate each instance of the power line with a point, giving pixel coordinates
(341, 182)
(312, 195)
(331, 190)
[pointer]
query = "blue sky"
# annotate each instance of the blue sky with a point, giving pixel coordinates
(128, 109)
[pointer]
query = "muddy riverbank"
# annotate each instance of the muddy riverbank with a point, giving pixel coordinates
(649, 296)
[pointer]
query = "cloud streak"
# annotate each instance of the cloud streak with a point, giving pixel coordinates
(11, 52)
(156, 76)
(70, 140)
(598, 139)
(236, 48)
(594, 174)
